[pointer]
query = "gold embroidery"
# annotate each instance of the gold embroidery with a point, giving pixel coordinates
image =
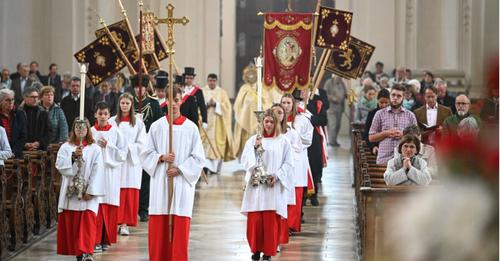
(287, 27)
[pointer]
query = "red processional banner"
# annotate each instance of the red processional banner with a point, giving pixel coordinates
(287, 50)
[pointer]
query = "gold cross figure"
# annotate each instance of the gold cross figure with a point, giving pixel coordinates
(170, 21)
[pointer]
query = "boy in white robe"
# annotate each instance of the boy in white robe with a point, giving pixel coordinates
(110, 139)
(186, 162)
(76, 223)
(265, 204)
(134, 134)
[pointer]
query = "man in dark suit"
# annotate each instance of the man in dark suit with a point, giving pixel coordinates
(53, 79)
(431, 116)
(444, 98)
(21, 83)
(193, 90)
(16, 75)
(71, 104)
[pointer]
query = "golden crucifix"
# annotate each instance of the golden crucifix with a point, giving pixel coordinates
(170, 21)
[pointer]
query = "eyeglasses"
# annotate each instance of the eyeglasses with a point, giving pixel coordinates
(33, 97)
(461, 103)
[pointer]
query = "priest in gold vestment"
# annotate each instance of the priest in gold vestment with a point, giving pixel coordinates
(218, 138)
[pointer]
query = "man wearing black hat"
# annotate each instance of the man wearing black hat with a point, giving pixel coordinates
(192, 90)
(150, 111)
(160, 87)
(317, 152)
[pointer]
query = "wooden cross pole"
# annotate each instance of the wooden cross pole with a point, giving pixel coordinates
(170, 21)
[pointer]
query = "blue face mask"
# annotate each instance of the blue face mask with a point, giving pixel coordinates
(408, 104)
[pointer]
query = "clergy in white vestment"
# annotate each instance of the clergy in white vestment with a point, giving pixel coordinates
(297, 120)
(265, 204)
(112, 144)
(76, 222)
(187, 162)
(134, 134)
(218, 143)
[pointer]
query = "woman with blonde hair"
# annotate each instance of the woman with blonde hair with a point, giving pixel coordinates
(265, 204)
(134, 133)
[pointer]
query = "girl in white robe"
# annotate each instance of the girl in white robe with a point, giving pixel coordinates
(294, 139)
(76, 226)
(113, 150)
(134, 134)
(187, 162)
(265, 204)
(298, 121)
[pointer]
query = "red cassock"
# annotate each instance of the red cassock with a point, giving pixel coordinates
(160, 247)
(74, 229)
(129, 206)
(107, 227)
(295, 211)
(262, 231)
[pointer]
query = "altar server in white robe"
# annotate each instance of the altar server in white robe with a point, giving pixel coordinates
(134, 134)
(76, 225)
(186, 161)
(265, 204)
(296, 144)
(113, 150)
(297, 120)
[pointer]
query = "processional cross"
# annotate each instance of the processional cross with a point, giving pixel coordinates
(170, 21)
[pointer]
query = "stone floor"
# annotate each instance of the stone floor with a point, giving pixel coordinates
(218, 228)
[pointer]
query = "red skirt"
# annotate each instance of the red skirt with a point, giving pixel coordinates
(295, 211)
(129, 206)
(76, 232)
(107, 228)
(283, 231)
(262, 231)
(158, 238)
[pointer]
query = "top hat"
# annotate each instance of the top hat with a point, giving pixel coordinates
(297, 94)
(134, 80)
(179, 79)
(189, 71)
(161, 79)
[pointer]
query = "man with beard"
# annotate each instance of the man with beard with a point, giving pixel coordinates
(450, 124)
(389, 123)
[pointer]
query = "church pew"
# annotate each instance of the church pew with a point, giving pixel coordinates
(36, 167)
(27, 193)
(12, 181)
(4, 221)
(53, 182)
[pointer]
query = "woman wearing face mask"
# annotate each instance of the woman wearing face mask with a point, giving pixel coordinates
(412, 99)
(406, 168)
(134, 133)
(264, 204)
(76, 225)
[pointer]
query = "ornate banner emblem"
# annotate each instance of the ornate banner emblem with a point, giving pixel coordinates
(148, 34)
(333, 29)
(160, 47)
(150, 60)
(104, 58)
(287, 50)
(352, 62)
(122, 35)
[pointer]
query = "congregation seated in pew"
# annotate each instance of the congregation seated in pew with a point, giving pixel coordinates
(407, 168)
(427, 152)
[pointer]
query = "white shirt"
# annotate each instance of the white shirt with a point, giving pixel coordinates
(296, 145)
(5, 150)
(278, 161)
(189, 158)
(305, 129)
(432, 115)
(93, 174)
(113, 156)
(135, 140)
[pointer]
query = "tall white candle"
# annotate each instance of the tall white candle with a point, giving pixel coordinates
(83, 77)
(258, 64)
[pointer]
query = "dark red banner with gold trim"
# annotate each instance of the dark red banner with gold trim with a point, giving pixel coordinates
(287, 50)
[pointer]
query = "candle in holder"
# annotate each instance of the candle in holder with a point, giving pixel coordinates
(83, 76)
(258, 64)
